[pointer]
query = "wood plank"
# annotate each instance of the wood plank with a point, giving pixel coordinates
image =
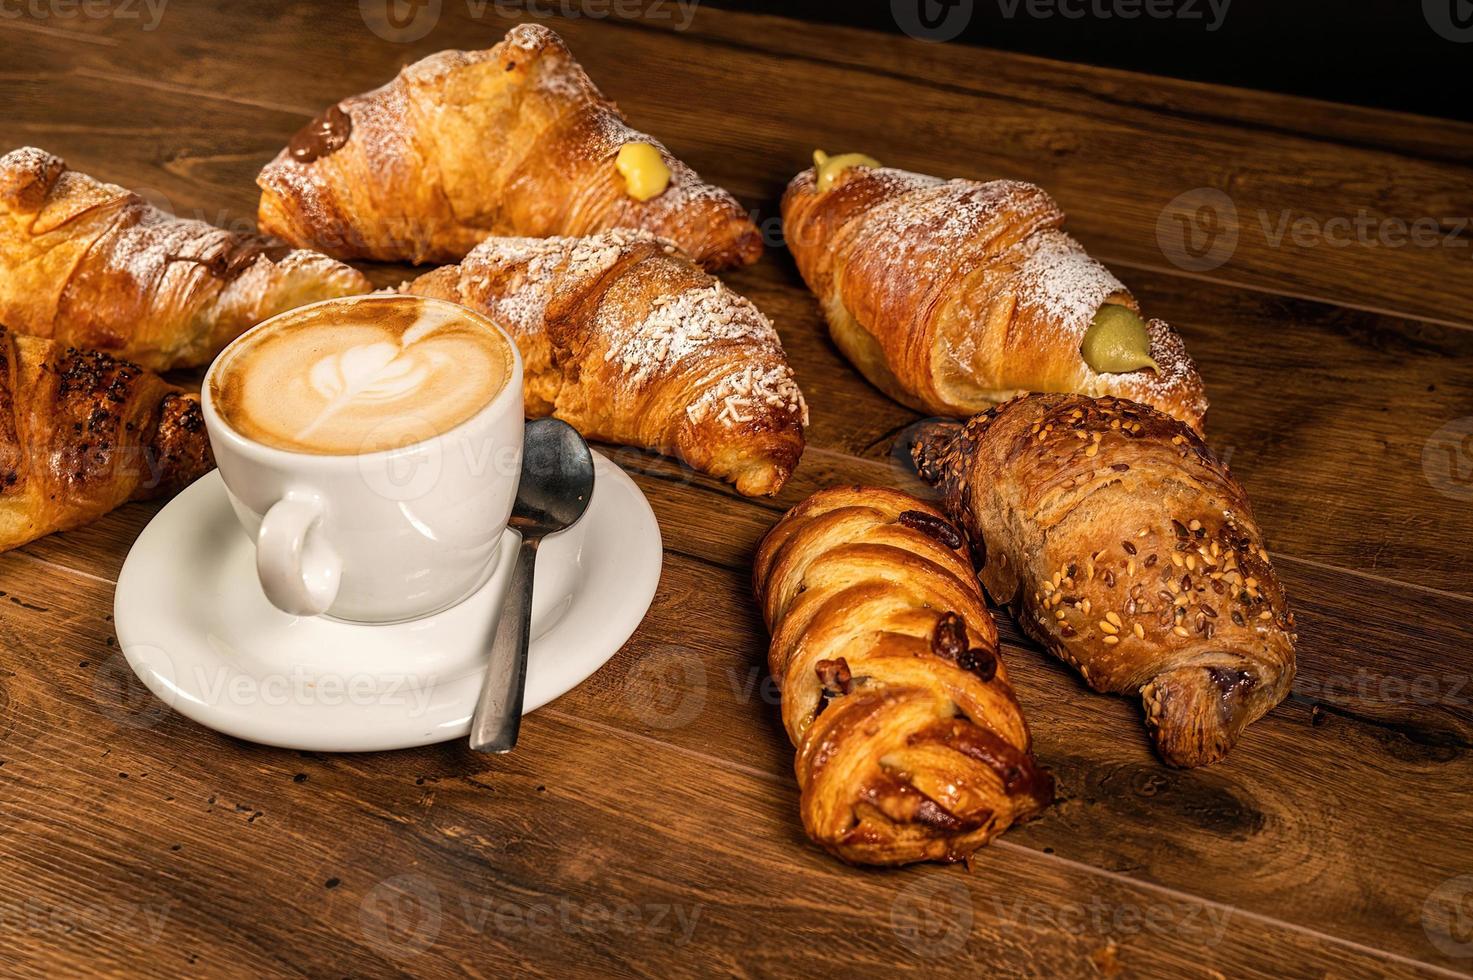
(1328, 439)
(1386, 728)
(1100, 140)
(471, 862)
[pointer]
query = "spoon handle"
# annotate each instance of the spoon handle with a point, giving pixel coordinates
(498, 714)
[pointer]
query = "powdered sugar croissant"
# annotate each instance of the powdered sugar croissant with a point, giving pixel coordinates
(515, 140)
(96, 266)
(626, 339)
(952, 296)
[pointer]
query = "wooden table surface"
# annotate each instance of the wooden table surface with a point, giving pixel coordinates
(647, 825)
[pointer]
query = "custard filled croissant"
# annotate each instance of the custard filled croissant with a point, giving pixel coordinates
(627, 340)
(911, 745)
(81, 433)
(515, 140)
(1125, 547)
(951, 296)
(96, 266)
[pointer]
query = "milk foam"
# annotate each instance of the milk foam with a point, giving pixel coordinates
(355, 377)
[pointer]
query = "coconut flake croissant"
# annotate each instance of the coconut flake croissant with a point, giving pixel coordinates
(954, 295)
(81, 433)
(627, 340)
(96, 266)
(1127, 549)
(515, 140)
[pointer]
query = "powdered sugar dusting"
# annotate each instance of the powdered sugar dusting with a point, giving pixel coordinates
(747, 395)
(1065, 284)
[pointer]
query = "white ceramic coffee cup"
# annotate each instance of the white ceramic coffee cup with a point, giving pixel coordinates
(377, 537)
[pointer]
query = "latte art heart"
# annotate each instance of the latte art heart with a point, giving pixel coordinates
(360, 378)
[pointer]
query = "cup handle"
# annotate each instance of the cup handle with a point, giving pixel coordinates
(299, 571)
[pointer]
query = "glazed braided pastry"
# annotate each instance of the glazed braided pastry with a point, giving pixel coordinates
(81, 433)
(911, 744)
(1127, 549)
(627, 340)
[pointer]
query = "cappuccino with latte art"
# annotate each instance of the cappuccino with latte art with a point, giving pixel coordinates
(360, 375)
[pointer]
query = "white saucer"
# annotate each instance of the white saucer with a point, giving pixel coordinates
(197, 629)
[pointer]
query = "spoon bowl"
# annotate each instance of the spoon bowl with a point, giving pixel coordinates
(556, 486)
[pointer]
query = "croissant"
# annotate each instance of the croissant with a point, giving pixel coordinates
(1128, 550)
(96, 266)
(911, 744)
(951, 296)
(515, 140)
(81, 433)
(627, 340)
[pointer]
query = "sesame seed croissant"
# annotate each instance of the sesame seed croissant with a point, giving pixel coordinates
(626, 339)
(911, 745)
(81, 433)
(952, 296)
(513, 140)
(1127, 549)
(96, 266)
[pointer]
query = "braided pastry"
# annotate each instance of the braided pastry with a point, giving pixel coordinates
(1126, 548)
(627, 340)
(80, 433)
(96, 266)
(951, 296)
(515, 140)
(911, 744)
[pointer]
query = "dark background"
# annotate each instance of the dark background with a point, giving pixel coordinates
(1381, 53)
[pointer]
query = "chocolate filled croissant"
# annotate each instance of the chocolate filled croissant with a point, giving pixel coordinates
(96, 266)
(911, 744)
(1125, 547)
(951, 296)
(627, 340)
(515, 140)
(81, 433)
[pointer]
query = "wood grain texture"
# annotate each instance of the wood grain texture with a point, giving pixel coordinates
(648, 824)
